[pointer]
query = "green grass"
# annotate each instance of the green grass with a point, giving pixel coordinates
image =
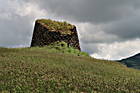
(48, 70)
(63, 47)
(62, 27)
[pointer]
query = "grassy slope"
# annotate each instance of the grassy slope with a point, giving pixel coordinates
(40, 70)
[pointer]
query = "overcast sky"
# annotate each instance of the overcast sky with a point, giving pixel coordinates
(108, 29)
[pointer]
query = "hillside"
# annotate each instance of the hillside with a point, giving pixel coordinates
(45, 69)
(133, 62)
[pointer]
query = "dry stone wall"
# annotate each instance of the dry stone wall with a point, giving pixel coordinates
(42, 36)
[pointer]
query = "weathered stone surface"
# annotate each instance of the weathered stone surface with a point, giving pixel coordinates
(46, 32)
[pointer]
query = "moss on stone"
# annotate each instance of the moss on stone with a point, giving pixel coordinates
(56, 26)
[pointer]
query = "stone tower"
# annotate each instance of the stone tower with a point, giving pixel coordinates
(47, 31)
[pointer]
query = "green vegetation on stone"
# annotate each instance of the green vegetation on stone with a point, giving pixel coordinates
(62, 47)
(47, 70)
(62, 27)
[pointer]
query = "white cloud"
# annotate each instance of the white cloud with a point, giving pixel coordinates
(31, 9)
(117, 50)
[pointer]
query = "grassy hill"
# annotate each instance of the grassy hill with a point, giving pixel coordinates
(52, 70)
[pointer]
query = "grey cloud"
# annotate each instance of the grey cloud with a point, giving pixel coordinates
(16, 22)
(15, 32)
(90, 33)
(126, 29)
(90, 47)
(95, 11)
